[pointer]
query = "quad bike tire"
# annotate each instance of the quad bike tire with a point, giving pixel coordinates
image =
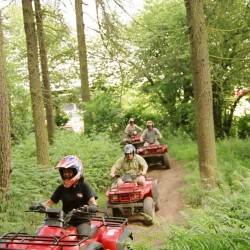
(156, 194)
(108, 210)
(166, 163)
(149, 210)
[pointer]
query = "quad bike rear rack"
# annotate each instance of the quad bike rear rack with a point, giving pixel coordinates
(69, 240)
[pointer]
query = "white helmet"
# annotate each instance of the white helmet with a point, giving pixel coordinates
(129, 149)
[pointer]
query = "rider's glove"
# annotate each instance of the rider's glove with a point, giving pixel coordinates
(36, 206)
(90, 208)
(93, 208)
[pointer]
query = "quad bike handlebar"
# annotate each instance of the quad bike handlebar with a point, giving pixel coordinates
(37, 207)
(127, 177)
(81, 211)
(127, 174)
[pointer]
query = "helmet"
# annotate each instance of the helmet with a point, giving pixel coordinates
(72, 162)
(132, 119)
(129, 149)
(150, 123)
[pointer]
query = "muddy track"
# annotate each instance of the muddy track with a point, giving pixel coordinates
(169, 185)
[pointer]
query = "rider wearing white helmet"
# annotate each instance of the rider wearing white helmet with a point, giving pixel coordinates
(130, 163)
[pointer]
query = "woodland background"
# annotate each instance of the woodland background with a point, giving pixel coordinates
(139, 66)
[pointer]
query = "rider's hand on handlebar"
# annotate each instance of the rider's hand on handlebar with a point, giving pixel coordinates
(112, 175)
(37, 206)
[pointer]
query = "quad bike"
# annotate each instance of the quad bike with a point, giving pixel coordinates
(131, 199)
(155, 155)
(134, 139)
(56, 232)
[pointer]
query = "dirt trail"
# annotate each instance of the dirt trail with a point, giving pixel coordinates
(170, 182)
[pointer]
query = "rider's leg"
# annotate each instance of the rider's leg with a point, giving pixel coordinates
(141, 180)
(119, 182)
(157, 143)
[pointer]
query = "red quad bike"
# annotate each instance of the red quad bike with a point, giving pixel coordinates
(131, 199)
(155, 155)
(133, 139)
(56, 232)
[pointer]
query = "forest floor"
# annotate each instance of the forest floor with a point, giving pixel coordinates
(171, 203)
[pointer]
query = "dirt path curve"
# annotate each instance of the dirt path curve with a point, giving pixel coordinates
(170, 182)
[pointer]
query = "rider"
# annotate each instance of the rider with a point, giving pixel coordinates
(75, 192)
(131, 127)
(130, 163)
(150, 134)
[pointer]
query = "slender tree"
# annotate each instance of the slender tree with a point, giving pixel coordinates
(35, 85)
(85, 92)
(5, 139)
(45, 73)
(202, 92)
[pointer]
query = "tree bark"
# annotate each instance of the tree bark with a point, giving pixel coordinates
(5, 138)
(35, 85)
(48, 103)
(202, 93)
(85, 92)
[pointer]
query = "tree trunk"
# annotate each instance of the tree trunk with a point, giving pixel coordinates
(45, 74)
(202, 93)
(35, 85)
(85, 92)
(5, 139)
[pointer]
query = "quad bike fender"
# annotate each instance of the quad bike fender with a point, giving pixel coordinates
(124, 237)
(114, 238)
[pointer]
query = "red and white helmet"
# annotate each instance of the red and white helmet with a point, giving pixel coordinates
(73, 162)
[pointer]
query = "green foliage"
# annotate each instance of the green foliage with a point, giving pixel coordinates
(228, 33)
(62, 63)
(243, 126)
(216, 219)
(105, 113)
(61, 118)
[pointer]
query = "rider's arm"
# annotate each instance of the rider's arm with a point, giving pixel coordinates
(137, 127)
(116, 166)
(142, 135)
(49, 203)
(126, 129)
(159, 134)
(92, 201)
(142, 163)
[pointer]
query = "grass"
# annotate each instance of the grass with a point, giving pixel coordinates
(218, 219)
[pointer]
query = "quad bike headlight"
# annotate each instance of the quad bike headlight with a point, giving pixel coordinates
(114, 197)
(135, 196)
(159, 150)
